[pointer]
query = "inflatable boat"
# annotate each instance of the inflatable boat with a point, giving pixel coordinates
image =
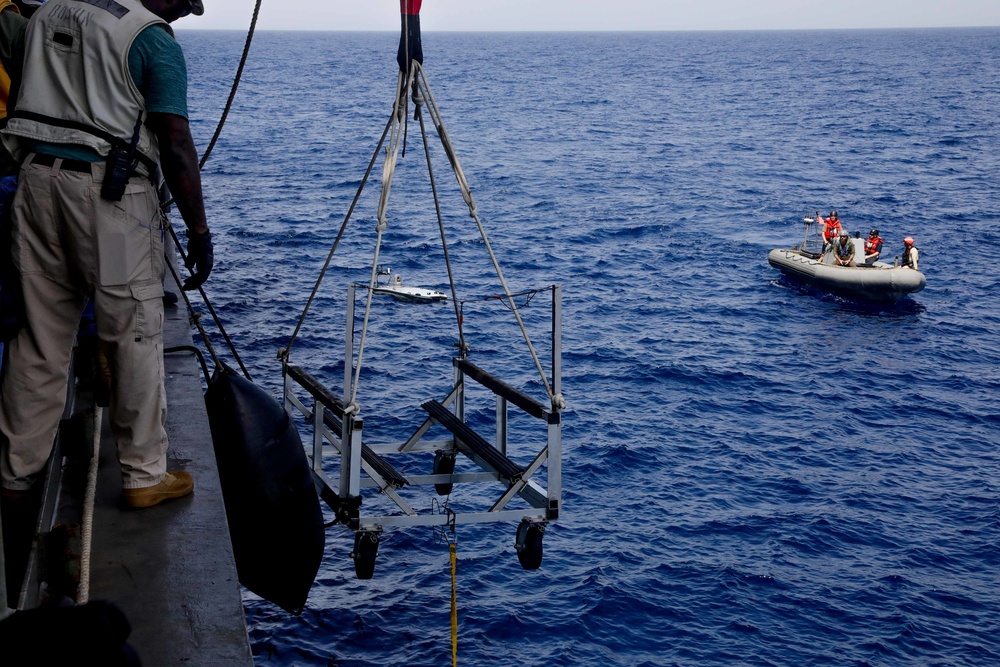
(876, 281)
(393, 286)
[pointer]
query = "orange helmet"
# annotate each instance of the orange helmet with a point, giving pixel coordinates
(908, 240)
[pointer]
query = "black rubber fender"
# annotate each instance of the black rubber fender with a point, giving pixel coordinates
(274, 515)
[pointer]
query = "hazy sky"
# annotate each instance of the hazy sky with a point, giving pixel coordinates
(600, 14)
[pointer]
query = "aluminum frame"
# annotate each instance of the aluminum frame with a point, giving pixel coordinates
(355, 474)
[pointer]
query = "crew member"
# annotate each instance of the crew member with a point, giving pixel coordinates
(873, 247)
(843, 251)
(910, 254)
(831, 228)
(93, 133)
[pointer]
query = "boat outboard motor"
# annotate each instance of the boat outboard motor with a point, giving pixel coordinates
(275, 520)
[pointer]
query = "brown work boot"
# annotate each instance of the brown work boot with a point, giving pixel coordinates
(175, 484)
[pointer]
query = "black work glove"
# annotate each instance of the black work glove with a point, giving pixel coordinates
(200, 257)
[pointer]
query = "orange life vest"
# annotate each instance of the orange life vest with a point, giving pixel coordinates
(873, 245)
(832, 230)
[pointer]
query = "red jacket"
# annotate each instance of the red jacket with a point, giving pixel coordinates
(873, 245)
(832, 230)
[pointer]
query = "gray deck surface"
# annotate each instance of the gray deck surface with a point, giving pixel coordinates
(170, 568)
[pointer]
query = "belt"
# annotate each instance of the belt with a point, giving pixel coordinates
(66, 165)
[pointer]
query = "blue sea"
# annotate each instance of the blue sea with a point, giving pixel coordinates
(754, 473)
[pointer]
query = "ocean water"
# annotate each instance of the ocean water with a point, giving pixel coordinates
(754, 473)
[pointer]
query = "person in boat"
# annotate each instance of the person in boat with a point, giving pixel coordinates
(831, 229)
(873, 246)
(843, 251)
(910, 254)
(92, 137)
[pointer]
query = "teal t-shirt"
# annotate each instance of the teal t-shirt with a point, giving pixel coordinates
(156, 63)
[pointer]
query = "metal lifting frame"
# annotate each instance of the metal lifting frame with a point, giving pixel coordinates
(337, 433)
(336, 423)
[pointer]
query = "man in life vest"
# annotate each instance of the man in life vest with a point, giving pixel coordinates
(910, 254)
(101, 113)
(831, 229)
(843, 251)
(873, 247)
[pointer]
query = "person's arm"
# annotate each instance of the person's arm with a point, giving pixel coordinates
(156, 64)
(915, 256)
(179, 161)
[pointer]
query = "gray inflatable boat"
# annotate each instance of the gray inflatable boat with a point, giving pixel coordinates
(876, 282)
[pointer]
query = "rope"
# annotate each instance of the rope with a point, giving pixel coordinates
(193, 350)
(442, 533)
(396, 131)
(236, 84)
(194, 317)
(392, 154)
(211, 310)
(368, 309)
(388, 171)
(201, 165)
(284, 354)
(473, 212)
(452, 547)
(409, 68)
(83, 590)
(418, 101)
(232, 96)
(530, 294)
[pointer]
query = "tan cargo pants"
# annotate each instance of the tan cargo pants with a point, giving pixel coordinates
(70, 245)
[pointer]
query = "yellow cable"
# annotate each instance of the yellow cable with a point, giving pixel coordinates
(454, 611)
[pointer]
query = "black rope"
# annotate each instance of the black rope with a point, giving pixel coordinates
(236, 84)
(336, 242)
(232, 95)
(502, 298)
(201, 165)
(211, 310)
(437, 208)
(195, 351)
(195, 319)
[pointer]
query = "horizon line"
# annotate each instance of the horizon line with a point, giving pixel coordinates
(606, 30)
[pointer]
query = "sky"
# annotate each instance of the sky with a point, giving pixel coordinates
(520, 15)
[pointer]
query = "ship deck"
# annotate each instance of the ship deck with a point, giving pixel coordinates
(170, 568)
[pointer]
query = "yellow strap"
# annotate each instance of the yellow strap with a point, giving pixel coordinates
(4, 77)
(454, 611)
